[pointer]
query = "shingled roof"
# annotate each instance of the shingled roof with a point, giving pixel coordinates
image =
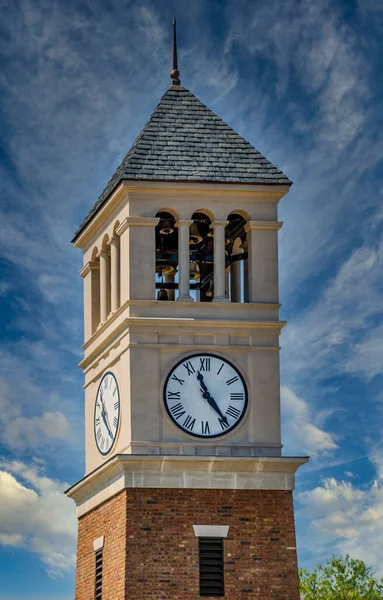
(185, 141)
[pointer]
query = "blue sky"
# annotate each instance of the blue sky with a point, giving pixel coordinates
(301, 81)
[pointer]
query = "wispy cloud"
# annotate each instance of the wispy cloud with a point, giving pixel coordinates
(301, 430)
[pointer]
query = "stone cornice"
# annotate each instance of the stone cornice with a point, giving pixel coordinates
(177, 326)
(268, 225)
(92, 265)
(183, 222)
(218, 223)
(188, 472)
(183, 191)
(137, 222)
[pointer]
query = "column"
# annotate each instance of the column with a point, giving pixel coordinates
(170, 279)
(91, 276)
(235, 272)
(184, 261)
(137, 258)
(104, 284)
(244, 247)
(263, 260)
(219, 261)
(115, 273)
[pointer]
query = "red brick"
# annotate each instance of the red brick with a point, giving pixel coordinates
(151, 551)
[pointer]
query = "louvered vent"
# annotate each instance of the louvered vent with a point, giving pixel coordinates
(211, 573)
(98, 580)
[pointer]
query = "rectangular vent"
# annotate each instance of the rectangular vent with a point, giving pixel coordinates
(98, 578)
(211, 568)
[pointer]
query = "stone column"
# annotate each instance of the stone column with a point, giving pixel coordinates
(263, 260)
(244, 247)
(91, 276)
(170, 279)
(184, 261)
(104, 285)
(137, 258)
(115, 273)
(235, 281)
(219, 261)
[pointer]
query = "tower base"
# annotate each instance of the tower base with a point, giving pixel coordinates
(151, 552)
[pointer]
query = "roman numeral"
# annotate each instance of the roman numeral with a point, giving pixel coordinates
(220, 369)
(174, 395)
(114, 391)
(236, 396)
(232, 380)
(189, 367)
(205, 364)
(99, 434)
(223, 424)
(177, 410)
(115, 421)
(97, 422)
(106, 383)
(181, 381)
(205, 427)
(116, 405)
(233, 412)
(189, 423)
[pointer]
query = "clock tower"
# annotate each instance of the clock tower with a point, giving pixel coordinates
(186, 493)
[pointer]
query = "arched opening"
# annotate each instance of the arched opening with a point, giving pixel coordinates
(236, 257)
(166, 271)
(202, 257)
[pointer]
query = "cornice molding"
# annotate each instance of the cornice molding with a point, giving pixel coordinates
(218, 223)
(137, 222)
(92, 265)
(183, 472)
(177, 326)
(265, 225)
(183, 223)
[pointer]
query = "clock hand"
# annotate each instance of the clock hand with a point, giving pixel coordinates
(209, 399)
(104, 414)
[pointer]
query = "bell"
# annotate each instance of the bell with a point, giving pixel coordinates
(195, 237)
(166, 227)
(168, 270)
(194, 270)
(210, 290)
(162, 294)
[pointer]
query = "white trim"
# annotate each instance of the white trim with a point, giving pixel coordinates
(220, 531)
(187, 472)
(98, 543)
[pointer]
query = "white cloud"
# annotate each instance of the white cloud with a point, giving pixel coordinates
(343, 519)
(301, 432)
(20, 432)
(35, 514)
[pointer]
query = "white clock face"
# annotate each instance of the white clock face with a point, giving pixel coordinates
(205, 395)
(106, 413)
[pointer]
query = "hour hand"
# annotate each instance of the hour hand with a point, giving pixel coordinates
(201, 381)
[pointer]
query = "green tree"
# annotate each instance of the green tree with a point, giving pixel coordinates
(343, 578)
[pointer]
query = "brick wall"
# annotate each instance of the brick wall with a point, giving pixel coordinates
(160, 557)
(108, 520)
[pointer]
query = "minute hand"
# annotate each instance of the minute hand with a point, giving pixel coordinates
(209, 399)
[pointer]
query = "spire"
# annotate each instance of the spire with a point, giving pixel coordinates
(175, 74)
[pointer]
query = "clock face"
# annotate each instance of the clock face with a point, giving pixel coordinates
(106, 413)
(205, 395)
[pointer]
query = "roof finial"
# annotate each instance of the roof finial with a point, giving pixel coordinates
(175, 74)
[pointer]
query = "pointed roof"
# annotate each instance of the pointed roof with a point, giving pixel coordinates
(185, 141)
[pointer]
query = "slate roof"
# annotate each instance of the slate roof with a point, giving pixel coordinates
(185, 141)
